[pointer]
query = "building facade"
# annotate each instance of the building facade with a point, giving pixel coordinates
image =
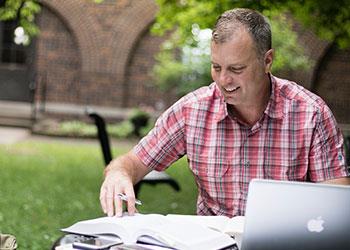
(101, 55)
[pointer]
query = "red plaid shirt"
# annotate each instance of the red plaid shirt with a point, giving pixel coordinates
(296, 139)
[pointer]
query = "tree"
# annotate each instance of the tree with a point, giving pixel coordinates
(329, 19)
(191, 68)
(183, 17)
(23, 11)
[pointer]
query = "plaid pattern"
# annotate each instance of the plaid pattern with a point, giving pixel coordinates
(297, 139)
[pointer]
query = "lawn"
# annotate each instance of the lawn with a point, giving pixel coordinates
(45, 186)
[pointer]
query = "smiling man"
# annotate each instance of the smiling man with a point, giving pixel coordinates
(246, 124)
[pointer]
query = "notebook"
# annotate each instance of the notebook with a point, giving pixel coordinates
(296, 215)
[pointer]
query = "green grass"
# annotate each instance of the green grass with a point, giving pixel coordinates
(45, 186)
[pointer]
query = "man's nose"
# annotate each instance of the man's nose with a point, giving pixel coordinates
(225, 77)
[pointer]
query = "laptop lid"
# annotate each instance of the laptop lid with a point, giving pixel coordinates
(296, 215)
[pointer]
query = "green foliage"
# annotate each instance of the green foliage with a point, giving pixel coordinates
(123, 129)
(189, 70)
(24, 11)
(46, 186)
(329, 19)
(138, 114)
(77, 128)
(192, 69)
(146, 129)
(288, 54)
(139, 119)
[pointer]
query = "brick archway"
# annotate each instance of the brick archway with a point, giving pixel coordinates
(124, 45)
(126, 29)
(70, 12)
(332, 82)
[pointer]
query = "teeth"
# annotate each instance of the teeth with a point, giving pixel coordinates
(231, 89)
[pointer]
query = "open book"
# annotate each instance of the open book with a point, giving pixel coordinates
(231, 226)
(169, 231)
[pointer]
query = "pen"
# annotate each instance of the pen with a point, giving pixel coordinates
(125, 198)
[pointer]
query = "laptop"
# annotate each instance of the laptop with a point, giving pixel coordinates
(284, 215)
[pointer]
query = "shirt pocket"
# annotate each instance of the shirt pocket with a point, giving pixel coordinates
(214, 176)
(206, 166)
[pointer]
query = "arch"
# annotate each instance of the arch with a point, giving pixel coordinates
(332, 81)
(324, 54)
(123, 45)
(127, 28)
(74, 18)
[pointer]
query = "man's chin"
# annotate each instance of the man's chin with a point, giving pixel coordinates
(231, 101)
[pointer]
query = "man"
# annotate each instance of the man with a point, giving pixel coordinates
(247, 124)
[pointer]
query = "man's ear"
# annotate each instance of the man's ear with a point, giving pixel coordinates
(268, 59)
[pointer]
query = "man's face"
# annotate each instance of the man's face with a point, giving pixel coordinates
(238, 71)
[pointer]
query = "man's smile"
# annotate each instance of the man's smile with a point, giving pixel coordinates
(231, 89)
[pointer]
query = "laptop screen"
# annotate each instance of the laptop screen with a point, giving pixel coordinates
(296, 215)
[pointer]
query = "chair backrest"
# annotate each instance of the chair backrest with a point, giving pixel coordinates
(102, 136)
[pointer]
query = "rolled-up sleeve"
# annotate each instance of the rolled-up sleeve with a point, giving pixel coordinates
(165, 143)
(327, 160)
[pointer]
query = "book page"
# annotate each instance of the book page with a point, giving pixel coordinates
(220, 223)
(235, 225)
(179, 233)
(123, 227)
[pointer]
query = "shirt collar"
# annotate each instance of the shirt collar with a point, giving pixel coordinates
(274, 108)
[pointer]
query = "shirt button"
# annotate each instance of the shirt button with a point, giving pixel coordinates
(340, 157)
(246, 163)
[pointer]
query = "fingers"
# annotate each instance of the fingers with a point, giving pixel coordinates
(111, 204)
(103, 200)
(118, 203)
(131, 200)
(110, 198)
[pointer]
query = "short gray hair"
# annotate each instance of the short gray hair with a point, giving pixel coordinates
(255, 23)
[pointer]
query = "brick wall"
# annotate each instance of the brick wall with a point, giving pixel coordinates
(332, 82)
(140, 86)
(57, 60)
(88, 53)
(102, 54)
(329, 75)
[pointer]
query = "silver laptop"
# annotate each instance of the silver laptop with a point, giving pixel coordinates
(285, 215)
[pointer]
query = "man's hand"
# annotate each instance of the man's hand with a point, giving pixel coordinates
(120, 176)
(116, 182)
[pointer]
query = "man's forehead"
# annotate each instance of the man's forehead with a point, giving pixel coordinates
(240, 44)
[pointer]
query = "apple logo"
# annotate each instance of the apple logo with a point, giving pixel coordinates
(315, 225)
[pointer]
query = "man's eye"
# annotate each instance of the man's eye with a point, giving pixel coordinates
(237, 70)
(216, 68)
